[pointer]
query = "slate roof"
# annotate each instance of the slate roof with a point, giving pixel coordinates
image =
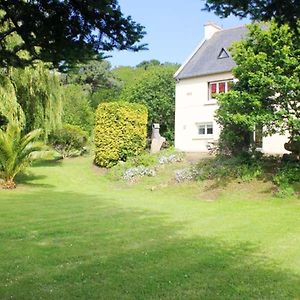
(205, 60)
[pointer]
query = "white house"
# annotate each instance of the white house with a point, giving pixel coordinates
(208, 71)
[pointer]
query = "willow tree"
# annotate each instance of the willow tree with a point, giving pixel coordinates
(39, 93)
(10, 109)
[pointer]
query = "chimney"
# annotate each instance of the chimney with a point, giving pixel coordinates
(209, 29)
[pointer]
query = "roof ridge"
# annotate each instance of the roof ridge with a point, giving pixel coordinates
(231, 28)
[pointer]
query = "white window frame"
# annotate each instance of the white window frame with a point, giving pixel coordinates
(226, 81)
(206, 125)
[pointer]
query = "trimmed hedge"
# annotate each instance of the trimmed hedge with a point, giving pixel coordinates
(120, 132)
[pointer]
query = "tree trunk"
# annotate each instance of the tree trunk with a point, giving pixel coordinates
(9, 184)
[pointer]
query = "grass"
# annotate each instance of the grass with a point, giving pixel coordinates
(69, 232)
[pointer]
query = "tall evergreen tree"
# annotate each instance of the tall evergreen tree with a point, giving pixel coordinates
(64, 31)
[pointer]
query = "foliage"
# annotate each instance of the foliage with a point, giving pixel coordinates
(287, 11)
(156, 90)
(128, 75)
(267, 87)
(76, 108)
(144, 164)
(10, 109)
(69, 141)
(94, 76)
(245, 167)
(222, 169)
(64, 31)
(143, 159)
(145, 64)
(17, 151)
(39, 93)
(103, 95)
(120, 132)
(287, 175)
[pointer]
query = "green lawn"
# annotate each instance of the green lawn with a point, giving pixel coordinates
(68, 232)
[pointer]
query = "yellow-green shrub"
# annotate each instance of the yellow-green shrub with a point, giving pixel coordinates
(120, 132)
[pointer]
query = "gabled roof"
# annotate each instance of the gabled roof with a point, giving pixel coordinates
(206, 59)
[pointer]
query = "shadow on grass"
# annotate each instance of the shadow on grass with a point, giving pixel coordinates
(29, 178)
(86, 247)
(47, 163)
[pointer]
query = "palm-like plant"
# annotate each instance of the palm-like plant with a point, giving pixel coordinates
(17, 151)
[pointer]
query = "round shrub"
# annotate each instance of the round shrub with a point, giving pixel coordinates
(69, 141)
(120, 132)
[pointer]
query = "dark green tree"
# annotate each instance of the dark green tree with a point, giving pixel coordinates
(64, 32)
(287, 11)
(93, 76)
(97, 80)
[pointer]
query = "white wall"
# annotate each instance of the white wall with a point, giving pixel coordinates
(275, 144)
(193, 106)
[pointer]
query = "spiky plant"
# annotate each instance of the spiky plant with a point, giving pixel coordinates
(17, 151)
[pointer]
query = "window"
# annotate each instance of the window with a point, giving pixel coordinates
(218, 87)
(223, 54)
(205, 129)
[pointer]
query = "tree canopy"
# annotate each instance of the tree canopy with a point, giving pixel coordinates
(267, 88)
(156, 90)
(66, 32)
(287, 11)
(93, 75)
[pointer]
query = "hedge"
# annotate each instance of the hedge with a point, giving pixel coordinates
(120, 132)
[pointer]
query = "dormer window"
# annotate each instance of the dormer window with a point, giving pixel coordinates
(223, 54)
(218, 87)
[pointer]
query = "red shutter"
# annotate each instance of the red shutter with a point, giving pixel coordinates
(221, 87)
(213, 88)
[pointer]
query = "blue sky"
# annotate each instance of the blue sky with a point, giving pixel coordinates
(174, 28)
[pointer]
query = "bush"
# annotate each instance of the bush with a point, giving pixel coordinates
(243, 167)
(69, 141)
(120, 132)
(287, 175)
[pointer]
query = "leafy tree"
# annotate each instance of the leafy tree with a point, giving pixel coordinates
(76, 108)
(17, 151)
(267, 88)
(287, 11)
(128, 75)
(64, 31)
(148, 63)
(156, 90)
(94, 76)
